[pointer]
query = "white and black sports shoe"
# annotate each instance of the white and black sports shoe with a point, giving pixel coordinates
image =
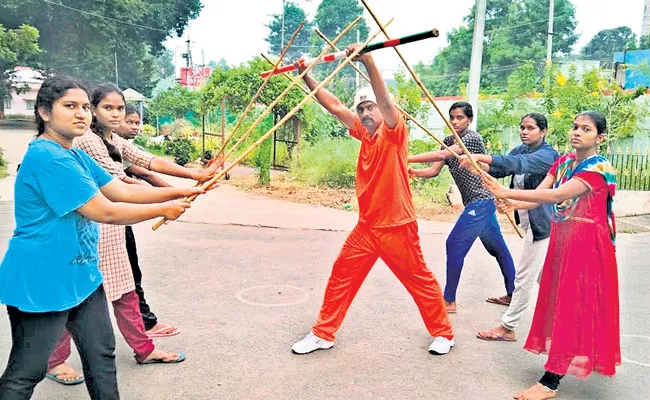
(441, 345)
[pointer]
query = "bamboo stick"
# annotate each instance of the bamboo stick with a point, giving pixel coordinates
(400, 109)
(417, 80)
(251, 103)
(291, 79)
(277, 126)
(285, 91)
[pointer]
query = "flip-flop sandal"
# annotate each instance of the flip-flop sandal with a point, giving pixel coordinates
(181, 358)
(158, 333)
(493, 337)
(498, 300)
(72, 382)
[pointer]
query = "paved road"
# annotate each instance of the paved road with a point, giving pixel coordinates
(243, 277)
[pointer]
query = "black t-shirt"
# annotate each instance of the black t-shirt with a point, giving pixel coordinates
(470, 186)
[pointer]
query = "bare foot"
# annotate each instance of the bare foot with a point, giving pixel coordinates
(162, 356)
(162, 330)
(451, 307)
(65, 373)
(536, 392)
(500, 333)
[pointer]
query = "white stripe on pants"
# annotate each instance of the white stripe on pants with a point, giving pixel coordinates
(529, 268)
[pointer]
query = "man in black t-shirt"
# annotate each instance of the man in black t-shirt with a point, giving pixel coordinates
(478, 220)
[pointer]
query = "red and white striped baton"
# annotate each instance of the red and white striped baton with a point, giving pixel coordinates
(340, 55)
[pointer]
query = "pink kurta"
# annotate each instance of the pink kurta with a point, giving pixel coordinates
(576, 319)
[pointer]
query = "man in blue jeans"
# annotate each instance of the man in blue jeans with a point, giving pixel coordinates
(479, 219)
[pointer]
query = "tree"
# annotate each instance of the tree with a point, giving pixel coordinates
(17, 47)
(165, 63)
(82, 38)
(608, 41)
(515, 33)
(332, 16)
(176, 102)
(238, 85)
(293, 16)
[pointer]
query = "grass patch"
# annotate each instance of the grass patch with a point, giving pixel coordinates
(3, 166)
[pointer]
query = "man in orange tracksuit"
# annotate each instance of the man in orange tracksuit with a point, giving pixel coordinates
(387, 226)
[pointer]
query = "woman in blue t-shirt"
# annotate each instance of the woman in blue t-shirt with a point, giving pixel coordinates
(49, 277)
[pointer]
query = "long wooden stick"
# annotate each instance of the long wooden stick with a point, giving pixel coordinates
(288, 77)
(417, 80)
(400, 109)
(303, 62)
(285, 91)
(277, 126)
(251, 103)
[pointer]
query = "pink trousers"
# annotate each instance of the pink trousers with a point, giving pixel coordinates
(129, 321)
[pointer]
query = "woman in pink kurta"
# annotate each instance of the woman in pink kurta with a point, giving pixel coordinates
(576, 320)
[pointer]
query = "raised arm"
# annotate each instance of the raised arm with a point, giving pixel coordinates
(133, 154)
(543, 193)
(434, 156)
(119, 191)
(331, 103)
(102, 210)
(151, 177)
(430, 172)
(385, 104)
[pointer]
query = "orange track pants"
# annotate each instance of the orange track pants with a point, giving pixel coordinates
(399, 248)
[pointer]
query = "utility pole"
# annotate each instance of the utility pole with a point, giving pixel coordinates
(117, 79)
(188, 61)
(282, 31)
(549, 42)
(474, 83)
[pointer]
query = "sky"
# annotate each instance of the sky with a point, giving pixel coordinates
(235, 30)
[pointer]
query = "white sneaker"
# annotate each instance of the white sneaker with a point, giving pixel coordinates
(441, 345)
(311, 343)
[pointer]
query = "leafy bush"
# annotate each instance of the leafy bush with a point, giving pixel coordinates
(3, 166)
(148, 130)
(20, 117)
(181, 149)
(179, 129)
(329, 162)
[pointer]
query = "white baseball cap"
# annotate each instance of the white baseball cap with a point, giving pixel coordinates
(364, 94)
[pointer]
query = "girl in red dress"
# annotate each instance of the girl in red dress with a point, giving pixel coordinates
(576, 320)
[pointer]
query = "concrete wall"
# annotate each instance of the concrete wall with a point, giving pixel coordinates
(22, 104)
(628, 202)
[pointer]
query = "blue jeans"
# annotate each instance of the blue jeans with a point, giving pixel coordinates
(477, 220)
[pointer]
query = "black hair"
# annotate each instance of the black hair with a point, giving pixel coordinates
(96, 96)
(599, 120)
(540, 120)
(465, 106)
(131, 109)
(51, 90)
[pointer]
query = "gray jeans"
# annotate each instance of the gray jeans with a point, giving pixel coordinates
(530, 265)
(35, 335)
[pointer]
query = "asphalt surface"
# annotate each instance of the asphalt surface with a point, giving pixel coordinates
(243, 277)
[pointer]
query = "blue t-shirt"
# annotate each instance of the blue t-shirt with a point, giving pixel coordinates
(52, 263)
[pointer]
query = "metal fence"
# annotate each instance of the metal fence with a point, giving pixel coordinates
(632, 169)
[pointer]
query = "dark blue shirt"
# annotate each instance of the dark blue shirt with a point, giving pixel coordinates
(534, 165)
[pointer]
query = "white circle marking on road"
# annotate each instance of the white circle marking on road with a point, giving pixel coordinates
(240, 296)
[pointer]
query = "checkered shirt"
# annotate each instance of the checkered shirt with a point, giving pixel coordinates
(113, 257)
(469, 185)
